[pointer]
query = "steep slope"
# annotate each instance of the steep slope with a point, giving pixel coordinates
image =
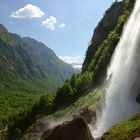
(28, 59)
(122, 80)
(73, 130)
(126, 130)
(48, 62)
(106, 25)
(28, 70)
(99, 60)
(81, 84)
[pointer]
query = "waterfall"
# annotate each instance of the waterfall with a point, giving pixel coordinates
(123, 81)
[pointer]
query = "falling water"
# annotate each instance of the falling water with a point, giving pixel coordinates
(123, 81)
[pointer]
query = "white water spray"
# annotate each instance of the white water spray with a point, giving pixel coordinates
(123, 77)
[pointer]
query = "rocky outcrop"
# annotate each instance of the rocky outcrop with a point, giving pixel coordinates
(76, 129)
(106, 25)
(135, 135)
(87, 114)
(43, 126)
(138, 98)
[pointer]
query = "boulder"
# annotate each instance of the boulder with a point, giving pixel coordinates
(87, 114)
(135, 135)
(138, 98)
(76, 129)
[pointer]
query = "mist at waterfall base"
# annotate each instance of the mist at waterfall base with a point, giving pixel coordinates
(123, 81)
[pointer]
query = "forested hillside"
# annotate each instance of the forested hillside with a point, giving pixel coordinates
(28, 70)
(97, 57)
(27, 59)
(104, 41)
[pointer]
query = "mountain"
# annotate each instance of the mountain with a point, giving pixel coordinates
(48, 61)
(86, 90)
(107, 24)
(28, 70)
(105, 38)
(79, 96)
(28, 59)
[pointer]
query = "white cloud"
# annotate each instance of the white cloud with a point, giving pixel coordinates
(29, 11)
(77, 66)
(72, 59)
(62, 25)
(50, 22)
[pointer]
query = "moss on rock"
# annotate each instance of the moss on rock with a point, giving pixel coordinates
(125, 130)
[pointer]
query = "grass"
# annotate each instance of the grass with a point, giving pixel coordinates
(123, 130)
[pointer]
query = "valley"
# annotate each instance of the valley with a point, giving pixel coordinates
(44, 98)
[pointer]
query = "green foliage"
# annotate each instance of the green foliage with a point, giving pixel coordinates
(91, 100)
(20, 105)
(129, 4)
(123, 130)
(46, 103)
(74, 80)
(4, 36)
(64, 94)
(30, 60)
(101, 57)
(80, 84)
(72, 89)
(27, 79)
(14, 106)
(28, 70)
(101, 32)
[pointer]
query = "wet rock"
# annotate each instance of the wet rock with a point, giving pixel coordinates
(138, 98)
(76, 129)
(137, 138)
(88, 114)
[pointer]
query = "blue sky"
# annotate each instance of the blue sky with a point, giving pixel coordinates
(66, 26)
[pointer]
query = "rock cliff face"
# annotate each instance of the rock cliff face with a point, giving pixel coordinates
(26, 58)
(87, 114)
(74, 130)
(106, 25)
(138, 98)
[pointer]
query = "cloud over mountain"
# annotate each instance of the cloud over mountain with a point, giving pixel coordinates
(71, 59)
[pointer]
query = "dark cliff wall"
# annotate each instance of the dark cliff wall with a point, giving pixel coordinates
(74, 130)
(106, 25)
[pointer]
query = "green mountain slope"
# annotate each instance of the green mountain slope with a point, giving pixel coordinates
(48, 62)
(27, 59)
(106, 25)
(126, 130)
(97, 60)
(21, 65)
(28, 70)
(107, 34)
